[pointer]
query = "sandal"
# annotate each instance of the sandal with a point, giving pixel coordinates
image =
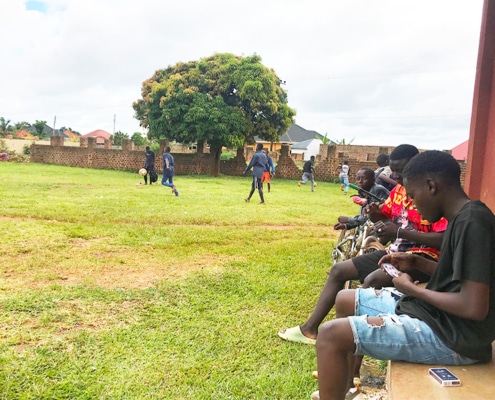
(295, 335)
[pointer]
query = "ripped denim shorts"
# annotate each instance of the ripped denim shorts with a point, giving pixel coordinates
(401, 337)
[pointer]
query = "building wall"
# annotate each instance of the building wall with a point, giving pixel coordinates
(481, 162)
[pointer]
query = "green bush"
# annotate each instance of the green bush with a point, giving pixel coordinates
(228, 155)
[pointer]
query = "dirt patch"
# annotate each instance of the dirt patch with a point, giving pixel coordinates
(372, 381)
(134, 274)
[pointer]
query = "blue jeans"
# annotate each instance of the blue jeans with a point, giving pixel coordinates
(168, 177)
(401, 337)
(344, 181)
(308, 176)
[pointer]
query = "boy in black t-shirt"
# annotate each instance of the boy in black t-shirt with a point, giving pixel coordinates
(452, 320)
(308, 171)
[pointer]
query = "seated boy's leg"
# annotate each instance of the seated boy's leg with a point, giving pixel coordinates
(380, 333)
(368, 263)
(339, 274)
(334, 346)
(376, 332)
(377, 279)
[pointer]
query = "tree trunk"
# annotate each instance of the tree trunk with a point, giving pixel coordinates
(215, 166)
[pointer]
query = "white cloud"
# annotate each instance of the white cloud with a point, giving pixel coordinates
(381, 71)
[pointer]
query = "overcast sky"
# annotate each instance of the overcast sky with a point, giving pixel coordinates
(380, 72)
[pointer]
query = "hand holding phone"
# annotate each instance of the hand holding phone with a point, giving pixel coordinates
(391, 270)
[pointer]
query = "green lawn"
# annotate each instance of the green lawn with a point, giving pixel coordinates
(110, 290)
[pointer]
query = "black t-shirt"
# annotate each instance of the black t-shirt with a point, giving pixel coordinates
(308, 167)
(150, 159)
(467, 253)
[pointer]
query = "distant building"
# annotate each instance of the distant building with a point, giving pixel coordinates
(295, 134)
(22, 134)
(306, 148)
(100, 136)
(460, 152)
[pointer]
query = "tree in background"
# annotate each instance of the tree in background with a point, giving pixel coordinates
(118, 137)
(22, 126)
(224, 100)
(5, 127)
(138, 139)
(38, 127)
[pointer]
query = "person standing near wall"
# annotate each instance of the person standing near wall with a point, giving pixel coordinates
(258, 163)
(168, 170)
(149, 164)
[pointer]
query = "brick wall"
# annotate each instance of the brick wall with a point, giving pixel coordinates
(92, 155)
(286, 167)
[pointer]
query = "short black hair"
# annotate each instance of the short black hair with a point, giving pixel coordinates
(383, 160)
(403, 151)
(368, 171)
(259, 146)
(434, 163)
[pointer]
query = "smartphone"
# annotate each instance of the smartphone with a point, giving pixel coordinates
(444, 377)
(390, 269)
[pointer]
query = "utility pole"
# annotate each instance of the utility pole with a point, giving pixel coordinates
(114, 124)
(54, 122)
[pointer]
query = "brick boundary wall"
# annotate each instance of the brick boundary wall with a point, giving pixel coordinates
(91, 155)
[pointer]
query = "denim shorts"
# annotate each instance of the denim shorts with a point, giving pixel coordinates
(401, 337)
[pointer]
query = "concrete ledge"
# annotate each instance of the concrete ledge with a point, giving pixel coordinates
(406, 381)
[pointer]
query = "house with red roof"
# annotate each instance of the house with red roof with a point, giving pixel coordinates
(71, 135)
(22, 134)
(460, 152)
(100, 136)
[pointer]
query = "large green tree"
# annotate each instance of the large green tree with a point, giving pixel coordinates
(224, 100)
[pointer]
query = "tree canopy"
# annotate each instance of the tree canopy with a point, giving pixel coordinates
(118, 137)
(224, 100)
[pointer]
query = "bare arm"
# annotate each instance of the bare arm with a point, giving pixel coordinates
(390, 231)
(432, 239)
(472, 302)
(406, 262)
(387, 179)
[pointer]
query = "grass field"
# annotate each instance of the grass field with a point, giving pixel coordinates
(110, 290)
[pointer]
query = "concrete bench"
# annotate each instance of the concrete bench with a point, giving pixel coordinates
(406, 381)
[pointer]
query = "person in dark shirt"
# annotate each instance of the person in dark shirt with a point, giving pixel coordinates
(149, 164)
(308, 171)
(258, 163)
(169, 170)
(451, 321)
(366, 180)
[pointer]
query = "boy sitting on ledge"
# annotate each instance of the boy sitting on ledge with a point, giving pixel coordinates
(452, 320)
